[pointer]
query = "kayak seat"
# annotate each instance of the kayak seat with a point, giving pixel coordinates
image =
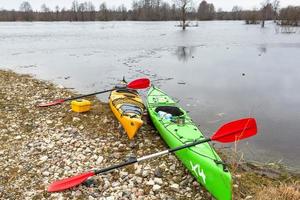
(130, 108)
(173, 110)
(127, 91)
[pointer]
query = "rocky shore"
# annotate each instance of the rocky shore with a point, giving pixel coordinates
(38, 146)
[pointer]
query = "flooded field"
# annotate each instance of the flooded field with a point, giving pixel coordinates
(219, 71)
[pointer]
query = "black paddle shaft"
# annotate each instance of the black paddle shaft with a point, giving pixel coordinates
(129, 162)
(104, 91)
(87, 95)
(135, 160)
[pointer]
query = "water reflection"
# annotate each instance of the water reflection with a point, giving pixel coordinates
(185, 53)
(262, 49)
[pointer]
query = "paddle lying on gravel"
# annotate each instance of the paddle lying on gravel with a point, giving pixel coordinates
(141, 83)
(230, 132)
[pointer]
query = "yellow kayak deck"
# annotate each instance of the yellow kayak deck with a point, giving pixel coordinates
(128, 108)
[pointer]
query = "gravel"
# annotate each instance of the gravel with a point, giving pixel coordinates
(41, 145)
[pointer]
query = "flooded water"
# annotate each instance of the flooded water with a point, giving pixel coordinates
(219, 71)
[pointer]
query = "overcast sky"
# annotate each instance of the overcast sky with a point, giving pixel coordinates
(224, 4)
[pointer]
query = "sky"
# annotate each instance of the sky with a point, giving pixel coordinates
(224, 4)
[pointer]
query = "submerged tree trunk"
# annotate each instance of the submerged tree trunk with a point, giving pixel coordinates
(183, 6)
(263, 17)
(183, 17)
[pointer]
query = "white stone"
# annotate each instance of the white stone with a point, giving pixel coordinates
(43, 158)
(145, 173)
(76, 119)
(18, 137)
(158, 181)
(150, 182)
(173, 167)
(99, 160)
(156, 187)
(46, 173)
(174, 186)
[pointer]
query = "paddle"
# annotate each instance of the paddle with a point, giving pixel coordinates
(230, 132)
(141, 83)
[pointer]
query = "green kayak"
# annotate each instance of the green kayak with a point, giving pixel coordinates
(178, 129)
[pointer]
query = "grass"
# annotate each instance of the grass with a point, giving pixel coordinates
(281, 192)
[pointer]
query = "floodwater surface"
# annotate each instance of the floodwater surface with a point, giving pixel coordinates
(219, 71)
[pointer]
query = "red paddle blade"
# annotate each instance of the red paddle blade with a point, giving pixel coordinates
(236, 130)
(141, 83)
(69, 182)
(53, 103)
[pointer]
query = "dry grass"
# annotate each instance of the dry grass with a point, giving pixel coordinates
(282, 192)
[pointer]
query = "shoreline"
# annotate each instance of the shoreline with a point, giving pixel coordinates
(39, 146)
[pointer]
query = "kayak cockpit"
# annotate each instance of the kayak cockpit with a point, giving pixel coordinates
(130, 108)
(173, 110)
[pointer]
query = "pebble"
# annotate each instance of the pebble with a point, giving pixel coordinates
(46, 173)
(173, 167)
(196, 184)
(145, 173)
(115, 184)
(99, 160)
(238, 176)
(18, 137)
(158, 181)
(76, 119)
(174, 187)
(139, 180)
(156, 187)
(105, 120)
(158, 173)
(43, 158)
(138, 170)
(150, 182)
(78, 193)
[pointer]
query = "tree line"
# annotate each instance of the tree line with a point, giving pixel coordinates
(153, 10)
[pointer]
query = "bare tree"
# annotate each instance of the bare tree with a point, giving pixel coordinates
(266, 11)
(44, 8)
(104, 12)
(26, 10)
(25, 7)
(74, 10)
(45, 14)
(184, 6)
(252, 17)
(123, 11)
(236, 12)
(275, 5)
(290, 16)
(92, 11)
(206, 11)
